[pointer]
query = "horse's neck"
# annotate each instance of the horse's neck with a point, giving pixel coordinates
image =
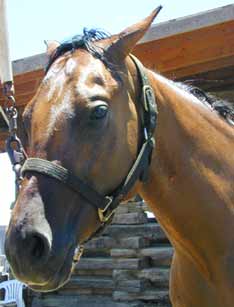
(191, 181)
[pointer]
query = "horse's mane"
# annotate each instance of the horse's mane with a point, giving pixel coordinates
(223, 107)
(85, 41)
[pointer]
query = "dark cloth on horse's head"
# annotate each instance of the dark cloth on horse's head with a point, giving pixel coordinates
(85, 41)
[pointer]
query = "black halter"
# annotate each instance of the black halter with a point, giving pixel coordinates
(107, 204)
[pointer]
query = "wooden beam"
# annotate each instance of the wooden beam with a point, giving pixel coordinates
(25, 86)
(191, 52)
(216, 80)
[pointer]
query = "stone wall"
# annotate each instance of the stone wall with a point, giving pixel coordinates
(127, 266)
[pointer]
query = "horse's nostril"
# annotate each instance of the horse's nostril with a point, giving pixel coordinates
(38, 247)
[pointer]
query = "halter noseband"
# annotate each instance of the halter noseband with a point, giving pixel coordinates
(106, 205)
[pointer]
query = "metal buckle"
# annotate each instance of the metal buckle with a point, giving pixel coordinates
(78, 253)
(101, 212)
(148, 95)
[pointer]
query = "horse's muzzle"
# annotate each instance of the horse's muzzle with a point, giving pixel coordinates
(37, 256)
(32, 261)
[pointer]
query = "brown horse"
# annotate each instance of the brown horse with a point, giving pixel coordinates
(87, 117)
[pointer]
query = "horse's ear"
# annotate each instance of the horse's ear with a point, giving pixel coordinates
(51, 47)
(125, 41)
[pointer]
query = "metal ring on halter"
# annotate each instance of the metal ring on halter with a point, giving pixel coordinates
(11, 99)
(15, 150)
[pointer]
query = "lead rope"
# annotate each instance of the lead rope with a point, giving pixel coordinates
(14, 147)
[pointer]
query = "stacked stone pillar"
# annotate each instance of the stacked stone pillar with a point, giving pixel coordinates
(128, 266)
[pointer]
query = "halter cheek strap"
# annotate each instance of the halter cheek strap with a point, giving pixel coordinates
(107, 204)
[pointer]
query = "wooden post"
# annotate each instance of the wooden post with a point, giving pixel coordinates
(6, 76)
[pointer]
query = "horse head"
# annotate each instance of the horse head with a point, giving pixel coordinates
(84, 119)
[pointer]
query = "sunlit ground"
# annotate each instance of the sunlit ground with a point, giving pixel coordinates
(7, 189)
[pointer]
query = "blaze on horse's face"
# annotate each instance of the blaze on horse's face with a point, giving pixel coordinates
(82, 117)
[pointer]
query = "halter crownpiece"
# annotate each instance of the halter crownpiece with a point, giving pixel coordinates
(107, 204)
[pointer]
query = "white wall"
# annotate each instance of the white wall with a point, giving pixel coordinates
(7, 188)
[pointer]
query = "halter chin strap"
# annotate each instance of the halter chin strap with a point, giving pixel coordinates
(106, 205)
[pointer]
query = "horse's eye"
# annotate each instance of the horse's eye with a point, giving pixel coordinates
(99, 112)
